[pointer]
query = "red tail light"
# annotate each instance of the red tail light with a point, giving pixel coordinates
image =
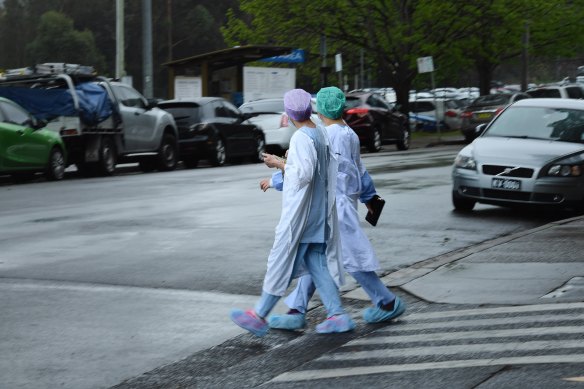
(450, 114)
(284, 120)
(358, 111)
(498, 111)
(466, 114)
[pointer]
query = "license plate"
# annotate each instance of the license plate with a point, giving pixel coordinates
(504, 183)
(484, 116)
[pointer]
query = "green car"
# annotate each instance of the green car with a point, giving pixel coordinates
(26, 147)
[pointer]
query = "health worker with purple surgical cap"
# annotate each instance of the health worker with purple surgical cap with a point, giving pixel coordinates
(307, 236)
(359, 260)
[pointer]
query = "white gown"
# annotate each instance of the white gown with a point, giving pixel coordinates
(357, 252)
(298, 174)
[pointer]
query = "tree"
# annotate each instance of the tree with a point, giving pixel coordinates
(58, 41)
(456, 33)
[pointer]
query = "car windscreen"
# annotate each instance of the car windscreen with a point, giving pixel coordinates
(262, 106)
(352, 102)
(539, 123)
(421, 106)
(490, 100)
(538, 93)
(184, 115)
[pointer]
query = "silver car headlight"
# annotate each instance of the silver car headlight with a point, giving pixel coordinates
(569, 167)
(465, 162)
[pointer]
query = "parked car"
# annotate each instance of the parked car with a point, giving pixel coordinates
(574, 91)
(26, 146)
(483, 109)
(376, 121)
(531, 153)
(270, 117)
(447, 111)
(213, 129)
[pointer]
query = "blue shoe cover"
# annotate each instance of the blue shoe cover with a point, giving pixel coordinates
(287, 322)
(337, 323)
(248, 320)
(378, 315)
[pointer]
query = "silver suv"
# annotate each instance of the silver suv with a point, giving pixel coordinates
(557, 91)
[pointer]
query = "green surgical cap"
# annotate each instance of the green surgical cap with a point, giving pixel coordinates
(330, 102)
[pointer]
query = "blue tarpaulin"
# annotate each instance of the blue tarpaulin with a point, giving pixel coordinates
(47, 104)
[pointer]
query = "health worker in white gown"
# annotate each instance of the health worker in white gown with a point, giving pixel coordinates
(359, 260)
(306, 240)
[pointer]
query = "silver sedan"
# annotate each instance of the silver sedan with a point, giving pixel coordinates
(531, 153)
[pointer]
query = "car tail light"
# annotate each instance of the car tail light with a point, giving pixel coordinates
(284, 120)
(466, 115)
(498, 111)
(358, 111)
(450, 113)
(68, 131)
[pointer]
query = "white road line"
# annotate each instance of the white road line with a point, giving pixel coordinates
(518, 332)
(406, 326)
(452, 350)
(307, 375)
(490, 311)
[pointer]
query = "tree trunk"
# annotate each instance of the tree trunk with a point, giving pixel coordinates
(485, 71)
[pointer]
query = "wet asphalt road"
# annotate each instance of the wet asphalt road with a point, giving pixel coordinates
(104, 279)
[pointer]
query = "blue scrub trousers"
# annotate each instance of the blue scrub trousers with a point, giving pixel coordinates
(379, 294)
(313, 256)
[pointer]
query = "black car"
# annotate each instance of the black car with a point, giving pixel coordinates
(376, 121)
(213, 129)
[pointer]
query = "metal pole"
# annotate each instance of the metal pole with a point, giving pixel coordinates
(147, 48)
(120, 72)
(361, 69)
(436, 108)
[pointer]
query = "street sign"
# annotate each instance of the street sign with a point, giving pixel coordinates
(296, 56)
(425, 65)
(338, 62)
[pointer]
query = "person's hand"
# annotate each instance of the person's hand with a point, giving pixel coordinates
(369, 207)
(273, 161)
(265, 184)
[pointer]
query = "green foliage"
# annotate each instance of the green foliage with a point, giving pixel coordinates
(58, 41)
(458, 34)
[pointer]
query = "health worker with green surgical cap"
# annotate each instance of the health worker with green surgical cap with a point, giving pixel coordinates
(358, 257)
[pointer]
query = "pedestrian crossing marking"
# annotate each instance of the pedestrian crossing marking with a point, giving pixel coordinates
(452, 350)
(486, 322)
(489, 311)
(574, 379)
(307, 375)
(527, 331)
(456, 335)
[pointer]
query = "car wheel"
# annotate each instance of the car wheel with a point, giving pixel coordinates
(56, 165)
(462, 204)
(167, 154)
(404, 142)
(375, 143)
(190, 162)
(260, 149)
(218, 155)
(107, 157)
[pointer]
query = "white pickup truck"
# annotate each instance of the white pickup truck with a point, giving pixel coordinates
(102, 122)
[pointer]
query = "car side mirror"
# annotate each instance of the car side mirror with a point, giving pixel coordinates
(480, 129)
(151, 103)
(36, 124)
(248, 115)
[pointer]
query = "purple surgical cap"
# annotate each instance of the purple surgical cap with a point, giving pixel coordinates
(297, 104)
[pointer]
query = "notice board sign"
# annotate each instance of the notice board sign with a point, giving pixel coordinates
(187, 87)
(264, 83)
